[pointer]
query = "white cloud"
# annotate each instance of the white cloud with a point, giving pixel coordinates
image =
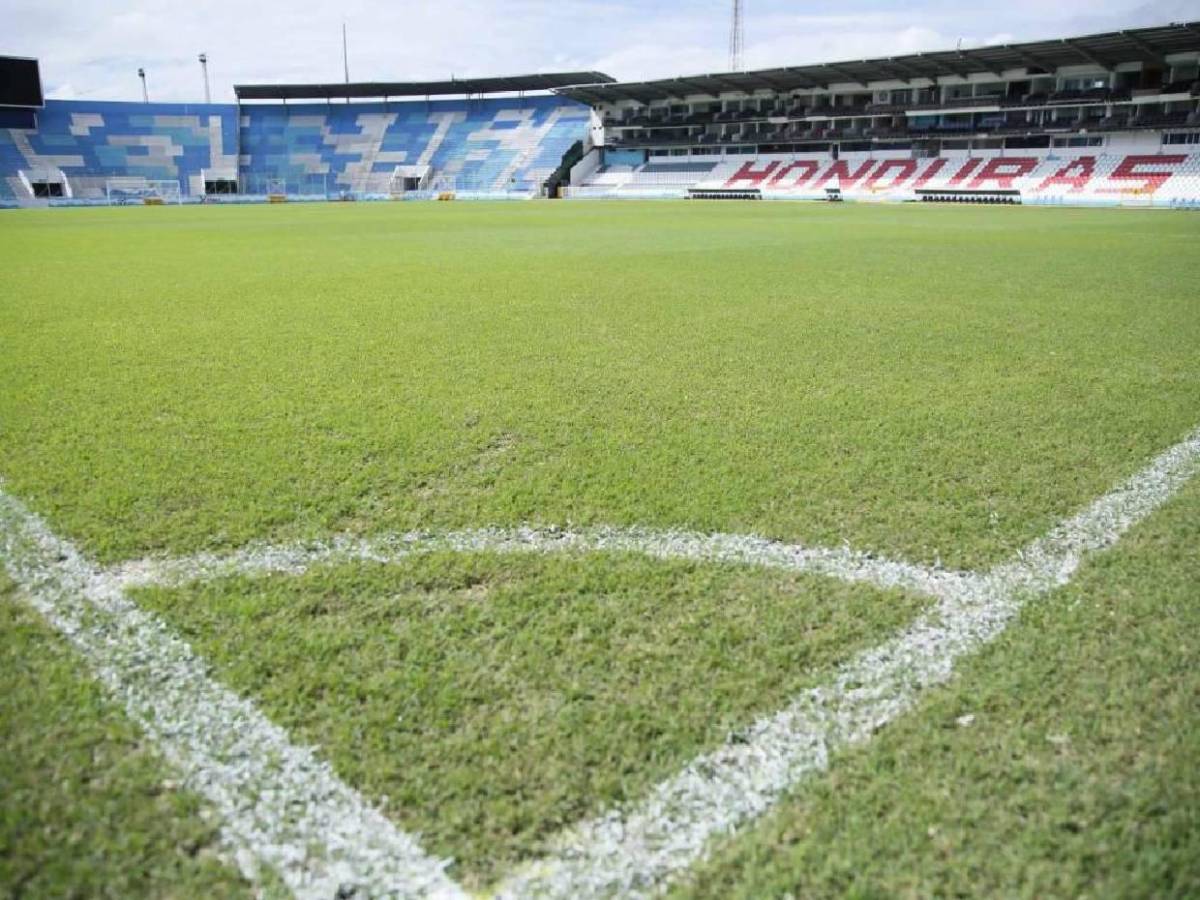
(64, 91)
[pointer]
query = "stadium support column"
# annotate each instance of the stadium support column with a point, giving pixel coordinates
(237, 141)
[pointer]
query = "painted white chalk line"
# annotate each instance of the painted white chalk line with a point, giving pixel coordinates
(278, 804)
(628, 852)
(297, 558)
(633, 852)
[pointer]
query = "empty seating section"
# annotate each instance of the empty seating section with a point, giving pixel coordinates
(477, 145)
(658, 179)
(1167, 178)
(485, 145)
(509, 145)
(1112, 93)
(90, 143)
(11, 162)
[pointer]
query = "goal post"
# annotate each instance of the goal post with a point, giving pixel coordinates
(409, 179)
(131, 190)
(1138, 197)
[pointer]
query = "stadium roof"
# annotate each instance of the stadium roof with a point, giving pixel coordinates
(374, 89)
(1150, 45)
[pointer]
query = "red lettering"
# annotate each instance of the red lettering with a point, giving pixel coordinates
(747, 173)
(809, 166)
(841, 171)
(1077, 173)
(1148, 181)
(907, 167)
(936, 166)
(1004, 171)
(968, 167)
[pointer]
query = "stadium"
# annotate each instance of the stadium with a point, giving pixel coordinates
(1099, 120)
(363, 536)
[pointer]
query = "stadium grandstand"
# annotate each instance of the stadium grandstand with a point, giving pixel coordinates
(500, 137)
(1102, 119)
(1107, 119)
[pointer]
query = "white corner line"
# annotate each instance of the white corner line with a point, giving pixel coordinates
(297, 558)
(636, 851)
(283, 807)
(278, 804)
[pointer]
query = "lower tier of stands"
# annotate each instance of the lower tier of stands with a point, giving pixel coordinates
(1108, 179)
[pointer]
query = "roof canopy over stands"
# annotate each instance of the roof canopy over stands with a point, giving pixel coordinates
(1149, 45)
(376, 89)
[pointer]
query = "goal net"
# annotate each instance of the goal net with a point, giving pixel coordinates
(409, 179)
(132, 190)
(1137, 197)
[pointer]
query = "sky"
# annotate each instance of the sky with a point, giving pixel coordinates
(91, 49)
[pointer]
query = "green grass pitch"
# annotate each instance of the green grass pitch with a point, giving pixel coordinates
(933, 384)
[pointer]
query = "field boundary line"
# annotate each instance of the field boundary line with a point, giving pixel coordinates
(633, 851)
(296, 558)
(278, 804)
(281, 806)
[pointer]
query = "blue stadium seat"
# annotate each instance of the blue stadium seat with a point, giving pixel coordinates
(486, 145)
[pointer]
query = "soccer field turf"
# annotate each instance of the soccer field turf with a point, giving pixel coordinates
(933, 385)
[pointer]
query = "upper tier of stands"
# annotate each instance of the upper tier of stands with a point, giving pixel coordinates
(1134, 81)
(486, 145)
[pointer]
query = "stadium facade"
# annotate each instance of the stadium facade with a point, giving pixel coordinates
(1109, 119)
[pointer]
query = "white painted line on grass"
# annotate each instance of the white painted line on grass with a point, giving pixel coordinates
(634, 852)
(278, 804)
(297, 558)
(289, 810)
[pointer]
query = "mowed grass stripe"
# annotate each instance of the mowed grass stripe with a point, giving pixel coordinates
(1064, 762)
(490, 701)
(931, 384)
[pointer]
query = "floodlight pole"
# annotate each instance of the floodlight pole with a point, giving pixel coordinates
(145, 92)
(737, 36)
(204, 69)
(346, 61)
